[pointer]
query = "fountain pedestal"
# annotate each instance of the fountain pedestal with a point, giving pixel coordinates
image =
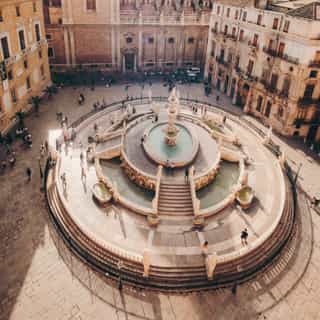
(171, 130)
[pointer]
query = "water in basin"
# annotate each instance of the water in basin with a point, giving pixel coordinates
(181, 151)
(127, 188)
(221, 186)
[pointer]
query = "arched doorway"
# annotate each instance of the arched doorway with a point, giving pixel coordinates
(129, 60)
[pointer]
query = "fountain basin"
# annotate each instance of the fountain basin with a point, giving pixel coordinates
(179, 155)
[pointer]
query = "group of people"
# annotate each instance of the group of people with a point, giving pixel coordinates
(10, 159)
(23, 133)
(97, 105)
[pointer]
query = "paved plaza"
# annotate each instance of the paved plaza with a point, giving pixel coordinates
(41, 279)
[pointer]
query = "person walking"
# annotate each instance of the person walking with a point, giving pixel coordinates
(83, 174)
(29, 173)
(186, 174)
(217, 98)
(64, 181)
(244, 236)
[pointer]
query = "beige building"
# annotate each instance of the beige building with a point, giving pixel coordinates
(23, 56)
(127, 35)
(267, 58)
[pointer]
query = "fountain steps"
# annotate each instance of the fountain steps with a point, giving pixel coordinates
(175, 199)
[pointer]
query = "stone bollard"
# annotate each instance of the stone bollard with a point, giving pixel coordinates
(146, 263)
(211, 263)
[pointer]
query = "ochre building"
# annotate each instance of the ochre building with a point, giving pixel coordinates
(24, 69)
(266, 56)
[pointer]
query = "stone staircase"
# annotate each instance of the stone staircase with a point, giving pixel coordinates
(175, 199)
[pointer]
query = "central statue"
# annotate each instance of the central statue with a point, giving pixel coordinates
(173, 108)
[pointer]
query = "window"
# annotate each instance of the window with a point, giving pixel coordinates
(10, 75)
(233, 32)
(308, 92)
(281, 49)
(225, 30)
(42, 71)
(91, 5)
(270, 46)
(286, 86)
(216, 26)
(48, 36)
(25, 64)
(129, 40)
(241, 36)
(13, 95)
(286, 26)
(5, 48)
(50, 52)
(313, 73)
(17, 11)
(275, 23)
(40, 54)
(236, 14)
(218, 10)
(259, 20)
(171, 40)
(22, 40)
(274, 82)
(268, 109)
(1, 16)
(37, 31)
(244, 17)
(255, 40)
(250, 67)
(230, 57)
(259, 103)
(191, 40)
(34, 6)
(228, 12)
(150, 40)
(28, 84)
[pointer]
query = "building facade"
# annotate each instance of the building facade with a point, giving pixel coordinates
(23, 56)
(127, 35)
(267, 58)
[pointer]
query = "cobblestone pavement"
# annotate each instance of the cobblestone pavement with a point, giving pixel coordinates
(41, 279)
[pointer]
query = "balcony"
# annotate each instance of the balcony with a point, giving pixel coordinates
(306, 101)
(314, 64)
(270, 52)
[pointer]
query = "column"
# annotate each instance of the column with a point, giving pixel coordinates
(117, 41)
(123, 64)
(113, 48)
(140, 48)
(72, 44)
(135, 63)
(66, 46)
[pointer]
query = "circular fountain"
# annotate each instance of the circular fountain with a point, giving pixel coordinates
(171, 143)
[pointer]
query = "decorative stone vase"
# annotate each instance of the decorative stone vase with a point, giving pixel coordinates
(245, 197)
(101, 194)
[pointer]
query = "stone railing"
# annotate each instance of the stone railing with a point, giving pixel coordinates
(106, 135)
(195, 200)
(155, 201)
